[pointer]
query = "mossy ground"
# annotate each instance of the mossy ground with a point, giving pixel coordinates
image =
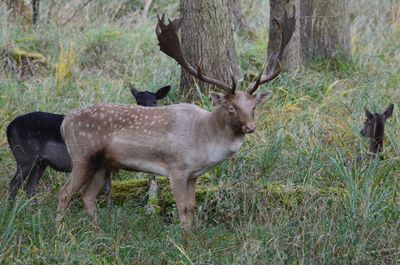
(285, 198)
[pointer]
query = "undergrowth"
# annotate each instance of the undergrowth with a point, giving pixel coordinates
(305, 133)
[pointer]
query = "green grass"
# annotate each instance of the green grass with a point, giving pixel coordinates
(304, 134)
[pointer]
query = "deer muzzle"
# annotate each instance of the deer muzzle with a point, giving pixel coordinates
(249, 127)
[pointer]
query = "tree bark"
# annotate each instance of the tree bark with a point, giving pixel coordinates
(207, 37)
(237, 15)
(324, 27)
(322, 31)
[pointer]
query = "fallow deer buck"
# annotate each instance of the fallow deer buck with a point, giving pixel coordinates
(179, 141)
(36, 143)
(374, 128)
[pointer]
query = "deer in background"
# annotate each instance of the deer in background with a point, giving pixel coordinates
(179, 141)
(374, 128)
(36, 143)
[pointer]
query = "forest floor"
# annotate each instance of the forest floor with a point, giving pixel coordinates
(305, 133)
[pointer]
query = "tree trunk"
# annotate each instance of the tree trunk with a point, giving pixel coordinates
(237, 14)
(322, 30)
(35, 11)
(207, 37)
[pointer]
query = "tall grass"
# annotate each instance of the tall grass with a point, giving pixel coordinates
(305, 133)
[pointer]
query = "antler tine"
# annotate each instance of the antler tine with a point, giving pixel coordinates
(233, 79)
(169, 43)
(199, 70)
(258, 80)
(286, 28)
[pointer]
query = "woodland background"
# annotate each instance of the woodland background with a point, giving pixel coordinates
(286, 197)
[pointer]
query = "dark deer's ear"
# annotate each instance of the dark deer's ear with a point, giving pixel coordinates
(263, 96)
(133, 90)
(163, 92)
(368, 113)
(389, 111)
(217, 98)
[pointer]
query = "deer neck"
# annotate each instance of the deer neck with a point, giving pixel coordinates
(376, 142)
(376, 145)
(218, 127)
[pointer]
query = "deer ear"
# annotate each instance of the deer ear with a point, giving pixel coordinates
(217, 98)
(133, 90)
(163, 92)
(368, 113)
(389, 111)
(263, 96)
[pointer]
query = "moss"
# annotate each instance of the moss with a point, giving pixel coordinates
(19, 54)
(273, 194)
(152, 206)
(153, 201)
(133, 189)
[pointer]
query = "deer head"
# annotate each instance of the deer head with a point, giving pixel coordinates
(374, 128)
(237, 106)
(149, 99)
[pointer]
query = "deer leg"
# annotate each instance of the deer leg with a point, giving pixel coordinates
(107, 188)
(33, 180)
(80, 174)
(90, 191)
(179, 189)
(191, 200)
(15, 183)
(23, 171)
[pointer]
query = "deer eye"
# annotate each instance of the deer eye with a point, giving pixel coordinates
(231, 108)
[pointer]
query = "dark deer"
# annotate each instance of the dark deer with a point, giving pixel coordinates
(374, 128)
(180, 141)
(36, 142)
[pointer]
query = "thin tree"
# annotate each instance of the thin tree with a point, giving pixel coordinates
(35, 11)
(238, 17)
(322, 30)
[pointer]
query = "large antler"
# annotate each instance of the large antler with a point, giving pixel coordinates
(170, 45)
(286, 27)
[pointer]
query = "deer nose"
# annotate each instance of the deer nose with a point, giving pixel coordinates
(249, 127)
